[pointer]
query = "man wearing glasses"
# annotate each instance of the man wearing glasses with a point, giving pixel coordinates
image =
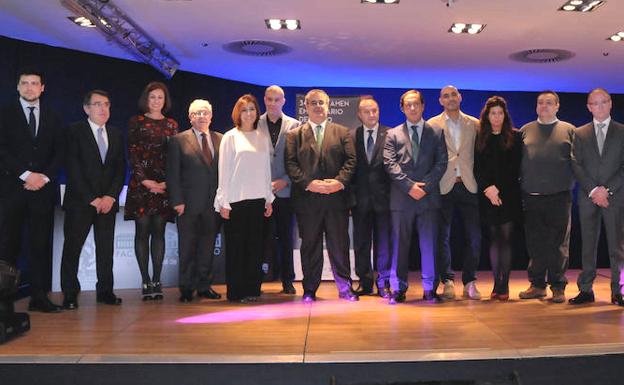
(320, 161)
(95, 175)
(192, 165)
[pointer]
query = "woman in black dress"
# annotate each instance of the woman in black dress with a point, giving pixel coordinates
(147, 202)
(497, 166)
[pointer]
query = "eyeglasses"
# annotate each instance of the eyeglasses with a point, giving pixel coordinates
(100, 104)
(201, 114)
(316, 102)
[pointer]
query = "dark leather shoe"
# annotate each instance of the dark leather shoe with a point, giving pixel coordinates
(288, 288)
(431, 296)
(186, 296)
(209, 294)
(582, 297)
(349, 296)
(617, 300)
(384, 292)
(309, 297)
(364, 290)
(70, 302)
(397, 297)
(44, 305)
(108, 298)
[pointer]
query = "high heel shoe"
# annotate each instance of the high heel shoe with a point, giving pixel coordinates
(147, 291)
(157, 293)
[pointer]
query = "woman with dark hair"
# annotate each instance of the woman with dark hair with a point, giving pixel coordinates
(146, 201)
(244, 198)
(497, 167)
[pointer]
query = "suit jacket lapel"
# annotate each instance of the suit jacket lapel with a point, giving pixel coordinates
(24, 121)
(450, 143)
(608, 139)
(192, 141)
(378, 148)
(409, 141)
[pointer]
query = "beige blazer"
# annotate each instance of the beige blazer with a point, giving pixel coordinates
(462, 157)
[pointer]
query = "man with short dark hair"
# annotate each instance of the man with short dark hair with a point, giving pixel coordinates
(320, 160)
(371, 214)
(95, 176)
(31, 150)
(415, 159)
(599, 168)
(546, 181)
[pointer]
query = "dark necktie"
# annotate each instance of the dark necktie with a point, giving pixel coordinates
(370, 144)
(415, 143)
(32, 121)
(206, 149)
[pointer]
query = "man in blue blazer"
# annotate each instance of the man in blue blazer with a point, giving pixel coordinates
(415, 158)
(279, 230)
(31, 151)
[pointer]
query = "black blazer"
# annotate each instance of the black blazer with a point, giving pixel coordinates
(87, 177)
(20, 151)
(304, 163)
(404, 172)
(190, 181)
(370, 184)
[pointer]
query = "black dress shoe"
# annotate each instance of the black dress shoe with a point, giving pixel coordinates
(396, 297)
(70, 302)
(349, 296)
(431, 296)
(44, 305)
(582, 297)
(384, 292)
(209, 294)
(108, 298)
(617, 299)
(309, 297)
(288, 288)
(364, 290)
(186, 296)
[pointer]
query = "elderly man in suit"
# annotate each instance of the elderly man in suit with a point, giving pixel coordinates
(95, 176)
(279, 231)
(599, 168)
(192, 180)
(371, 214)
(320, 160)
(458, 187)
(415, 158)
(31, 150)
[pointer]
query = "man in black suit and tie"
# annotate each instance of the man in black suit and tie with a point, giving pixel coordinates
(192, 169)
(415, 158)
(95, 176)
(31, 139)
(598, 165)
(320, 160)
(371, 214)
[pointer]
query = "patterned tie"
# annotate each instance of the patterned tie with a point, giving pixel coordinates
(101, 143)
(600, 137)
(32, 121)
(206, 149)
(415, 143)
(319, 137)
(370, 144)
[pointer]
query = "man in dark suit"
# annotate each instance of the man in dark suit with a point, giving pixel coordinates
(279, 229)
(415, 158)
(95, 176)
(320, 160)
(31, 139)
(371, 214)
(598, 165)
(192, 169)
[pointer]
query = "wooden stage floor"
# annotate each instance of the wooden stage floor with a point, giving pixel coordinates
(281, 329)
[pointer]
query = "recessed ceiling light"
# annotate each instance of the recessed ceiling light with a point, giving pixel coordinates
(277, 24)
(81, 21)
(379, 1)
(581, 5)
(616, 38)
(471, 29)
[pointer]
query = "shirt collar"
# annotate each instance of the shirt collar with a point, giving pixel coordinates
(314, 125)
(547, 123)
(26, 104)
(199, 133)
(94, 126)
(375, 128)
(606, 122)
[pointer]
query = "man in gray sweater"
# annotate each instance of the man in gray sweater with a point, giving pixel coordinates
(546, 180)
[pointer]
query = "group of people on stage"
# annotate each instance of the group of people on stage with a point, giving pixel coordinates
(270, 169)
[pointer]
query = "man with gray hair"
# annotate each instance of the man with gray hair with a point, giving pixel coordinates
(279, 248)
(192, 167)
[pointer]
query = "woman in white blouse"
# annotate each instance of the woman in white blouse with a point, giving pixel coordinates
(243, 198)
